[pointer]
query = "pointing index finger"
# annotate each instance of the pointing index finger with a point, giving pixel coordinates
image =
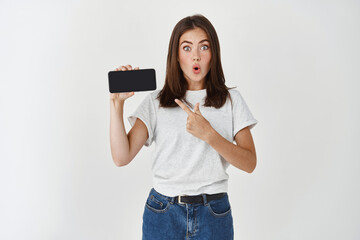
(183, 106)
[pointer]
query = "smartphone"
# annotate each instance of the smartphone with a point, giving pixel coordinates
(132, 80)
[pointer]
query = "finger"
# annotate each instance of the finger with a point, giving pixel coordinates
(183, 106)
(196, 108)
(123, 68)
(137, 68)
(129, 67)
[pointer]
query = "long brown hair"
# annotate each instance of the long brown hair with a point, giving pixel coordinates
(176, 85)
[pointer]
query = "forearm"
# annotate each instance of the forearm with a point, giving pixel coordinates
(234, 154)
(119, 141)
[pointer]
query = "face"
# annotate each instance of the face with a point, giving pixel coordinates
(194, 57)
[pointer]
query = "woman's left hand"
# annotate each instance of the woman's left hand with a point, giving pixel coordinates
(196, 124)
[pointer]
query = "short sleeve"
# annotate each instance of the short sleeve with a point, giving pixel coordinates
(242, 117)
(145, 112)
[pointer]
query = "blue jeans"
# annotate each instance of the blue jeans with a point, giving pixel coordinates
(165, 219)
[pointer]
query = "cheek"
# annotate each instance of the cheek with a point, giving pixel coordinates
(207, 58)
(182, 60)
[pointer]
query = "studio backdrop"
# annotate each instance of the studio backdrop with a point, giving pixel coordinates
(296, 63)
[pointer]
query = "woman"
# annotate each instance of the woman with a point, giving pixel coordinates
(194, 121)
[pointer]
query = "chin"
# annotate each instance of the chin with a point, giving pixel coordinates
(197, 78)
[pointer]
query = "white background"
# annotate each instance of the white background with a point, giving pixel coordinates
(296, 63)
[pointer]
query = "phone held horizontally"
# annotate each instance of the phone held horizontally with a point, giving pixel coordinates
(132, 80)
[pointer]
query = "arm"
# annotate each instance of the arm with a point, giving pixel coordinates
(242, 155)
(124, 147)
(119, 141)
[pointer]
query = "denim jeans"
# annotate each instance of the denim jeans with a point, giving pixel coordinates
(165, 219)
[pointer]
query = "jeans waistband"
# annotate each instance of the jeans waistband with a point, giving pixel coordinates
(193, 199)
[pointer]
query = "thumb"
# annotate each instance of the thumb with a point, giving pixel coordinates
(196, 109)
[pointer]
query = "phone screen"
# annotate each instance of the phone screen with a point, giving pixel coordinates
(132, 80)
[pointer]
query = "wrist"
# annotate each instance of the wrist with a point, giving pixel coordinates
(117, 106)
(116, 102)
(211, 136)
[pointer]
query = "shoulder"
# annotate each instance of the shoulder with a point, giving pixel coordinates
(234, 94)
(237, 98)
(151, 96)
(154, 94)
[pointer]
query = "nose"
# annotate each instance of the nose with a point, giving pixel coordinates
(196, 56)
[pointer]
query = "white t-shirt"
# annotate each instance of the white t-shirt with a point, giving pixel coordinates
(183, 164)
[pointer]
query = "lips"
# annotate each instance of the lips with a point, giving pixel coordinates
(196, 68)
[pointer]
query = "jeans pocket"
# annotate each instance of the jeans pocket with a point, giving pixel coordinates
(156, 204)
(220, 207)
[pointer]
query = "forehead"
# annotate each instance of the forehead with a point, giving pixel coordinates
(193, 35)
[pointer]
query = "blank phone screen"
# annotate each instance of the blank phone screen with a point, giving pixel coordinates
(132, 80)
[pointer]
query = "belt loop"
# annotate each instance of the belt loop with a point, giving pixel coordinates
(204, 198)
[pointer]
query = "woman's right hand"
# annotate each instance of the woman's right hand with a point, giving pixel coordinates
(124, 95)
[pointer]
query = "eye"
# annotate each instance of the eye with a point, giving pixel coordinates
(186, 47)
(206, 47)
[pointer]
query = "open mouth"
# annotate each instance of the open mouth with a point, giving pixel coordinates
(196, 69)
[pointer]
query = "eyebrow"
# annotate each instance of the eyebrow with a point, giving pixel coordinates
(204, 40)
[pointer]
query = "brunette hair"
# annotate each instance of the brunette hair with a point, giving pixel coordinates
(176, 85)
